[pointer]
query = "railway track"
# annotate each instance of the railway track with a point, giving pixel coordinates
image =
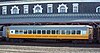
(47, 47)
(44, 49)
(51, 44)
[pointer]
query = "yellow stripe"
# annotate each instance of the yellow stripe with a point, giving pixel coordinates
(48, 36)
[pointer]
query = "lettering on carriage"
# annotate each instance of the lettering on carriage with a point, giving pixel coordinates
(98, 9)
(15, 10)
(62, 8)
(37, 9)
(4, 9)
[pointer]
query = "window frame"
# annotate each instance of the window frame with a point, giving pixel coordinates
(11, 31)
(21, 31)
(17, 32)
(75, 7)
(97, 9)
(53, 32)
(62, 9)
(44, 32)
(57, 31)
(35, 6)
(84, 31)
(68, 31)
(77, 32)
(49, 31)
(34, 31)
(49, 8)
(26, 7)
(64, 5)
(12, 10)
(4, 9)
(39, 31)
(26, 31)
(73, 31)
(29, 31)
(63, 31)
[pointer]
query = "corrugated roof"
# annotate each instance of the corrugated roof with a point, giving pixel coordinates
(50, 18)
(48, 15)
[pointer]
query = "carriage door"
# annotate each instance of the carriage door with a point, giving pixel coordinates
(91, 34)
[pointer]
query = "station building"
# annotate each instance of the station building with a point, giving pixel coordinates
(69, 12)
(50, 12)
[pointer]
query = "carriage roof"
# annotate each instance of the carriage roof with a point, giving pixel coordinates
(87, 26)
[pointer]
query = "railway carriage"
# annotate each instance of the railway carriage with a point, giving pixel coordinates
(63, 20)
(68, 32)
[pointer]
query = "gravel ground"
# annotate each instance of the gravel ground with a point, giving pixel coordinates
(49, 48)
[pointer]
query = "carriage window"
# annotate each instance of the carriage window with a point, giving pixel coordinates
(38, 31)
(78, 32)
(16, 31)
(34, 31)
(21, 31)
(67, 31)
(83, 32)
(53, 31)
(48, 31)
(57, 31)
(12, 31)
(63, 32)
(43, 31)
(73, 31)
(29, 31)
(25, 31)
